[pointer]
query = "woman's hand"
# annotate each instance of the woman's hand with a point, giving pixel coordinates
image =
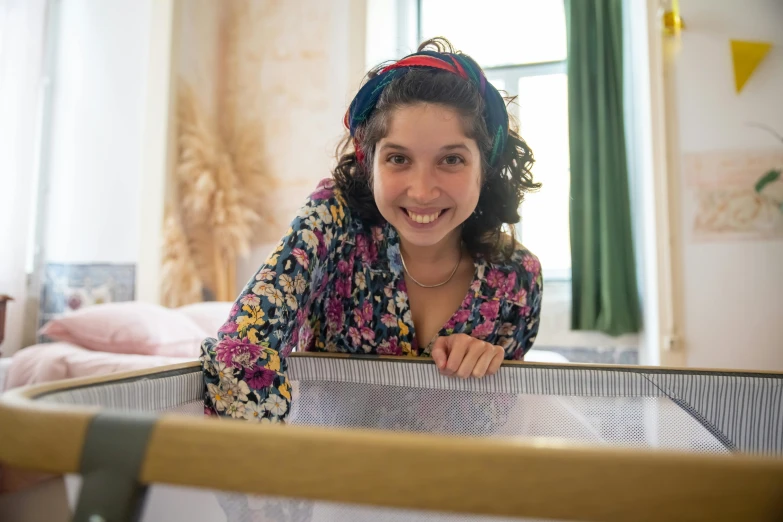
(465, 356)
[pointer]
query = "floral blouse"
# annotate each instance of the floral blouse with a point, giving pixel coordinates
(335, 284)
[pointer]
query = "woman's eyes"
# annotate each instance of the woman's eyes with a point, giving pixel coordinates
(396, 159)
(450, 161)
(453, 160)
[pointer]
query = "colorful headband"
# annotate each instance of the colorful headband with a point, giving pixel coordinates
(495, 114)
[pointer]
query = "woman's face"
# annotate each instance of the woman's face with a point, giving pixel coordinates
(426, 174)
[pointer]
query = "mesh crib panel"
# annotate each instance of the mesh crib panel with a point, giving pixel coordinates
(696, 411)
(177, 391)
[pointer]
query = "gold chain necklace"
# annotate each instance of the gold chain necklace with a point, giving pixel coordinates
(459, 261)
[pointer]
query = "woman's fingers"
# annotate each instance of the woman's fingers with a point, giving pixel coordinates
(465, 356)
(483, 363)
(457, 348)
(497, 360)
(476, 349)
(440, 352)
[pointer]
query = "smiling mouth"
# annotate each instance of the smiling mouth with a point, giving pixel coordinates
(426, 218)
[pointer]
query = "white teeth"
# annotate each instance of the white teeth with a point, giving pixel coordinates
(423, 219)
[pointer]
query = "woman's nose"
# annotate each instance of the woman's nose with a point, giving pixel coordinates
(423, 185)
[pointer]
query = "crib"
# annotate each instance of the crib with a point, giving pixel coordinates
(389, 439)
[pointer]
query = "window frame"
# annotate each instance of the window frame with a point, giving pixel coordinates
(510, 75)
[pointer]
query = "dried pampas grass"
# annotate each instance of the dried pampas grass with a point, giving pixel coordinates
(245, 146)
(220, 180)
(218, 204)
(180, 280)
(198, 152)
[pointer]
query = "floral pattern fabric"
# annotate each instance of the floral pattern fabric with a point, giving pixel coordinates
(335, 284)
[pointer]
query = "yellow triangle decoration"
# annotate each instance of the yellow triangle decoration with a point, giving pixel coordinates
(747, 56)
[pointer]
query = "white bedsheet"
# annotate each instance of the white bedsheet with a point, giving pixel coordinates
(55, 361)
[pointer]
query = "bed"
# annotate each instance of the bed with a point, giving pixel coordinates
(109, 338)
(57, 361)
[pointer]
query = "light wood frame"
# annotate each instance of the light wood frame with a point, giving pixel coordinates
(532, 478)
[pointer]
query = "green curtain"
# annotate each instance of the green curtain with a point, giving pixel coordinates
(604, 290)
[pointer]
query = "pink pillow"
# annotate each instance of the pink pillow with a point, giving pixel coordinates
(132, 327)
(210, 316)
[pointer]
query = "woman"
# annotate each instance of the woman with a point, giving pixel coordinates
(403, 251)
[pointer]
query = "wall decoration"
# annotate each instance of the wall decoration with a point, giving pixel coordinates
(672, 21)
(70, 287)
(746, 57)
(770, 186)
(736, 195)
(219, 198)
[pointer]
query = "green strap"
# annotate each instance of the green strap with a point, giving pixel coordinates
(114, 449)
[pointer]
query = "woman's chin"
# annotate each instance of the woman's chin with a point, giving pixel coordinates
(423, 237)
(421, 240)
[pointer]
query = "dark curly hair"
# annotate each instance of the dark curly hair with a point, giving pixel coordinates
(503, 185)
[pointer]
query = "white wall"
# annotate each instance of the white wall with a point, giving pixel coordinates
(198, 47)
(159, 147)
(310, 57)
(22, 28)
(95, 160)
(732, 290)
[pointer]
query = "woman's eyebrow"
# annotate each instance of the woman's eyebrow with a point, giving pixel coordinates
(455, 146)
(394, 146)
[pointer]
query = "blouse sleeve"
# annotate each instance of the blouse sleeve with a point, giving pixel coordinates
(522, 320)
(244, 368)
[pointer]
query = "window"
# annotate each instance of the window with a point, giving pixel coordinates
(523, 52)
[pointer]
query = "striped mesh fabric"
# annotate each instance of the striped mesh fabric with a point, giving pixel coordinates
(166, 391)
(699, 411)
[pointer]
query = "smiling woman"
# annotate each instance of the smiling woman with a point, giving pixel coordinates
(402, 252)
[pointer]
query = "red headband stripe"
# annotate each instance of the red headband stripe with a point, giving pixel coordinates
(459, 68)
(422, 61)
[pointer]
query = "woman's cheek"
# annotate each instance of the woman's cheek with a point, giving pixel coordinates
(383, 190)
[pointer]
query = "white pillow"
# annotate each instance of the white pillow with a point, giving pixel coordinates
(210, 316)
(128, 327)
